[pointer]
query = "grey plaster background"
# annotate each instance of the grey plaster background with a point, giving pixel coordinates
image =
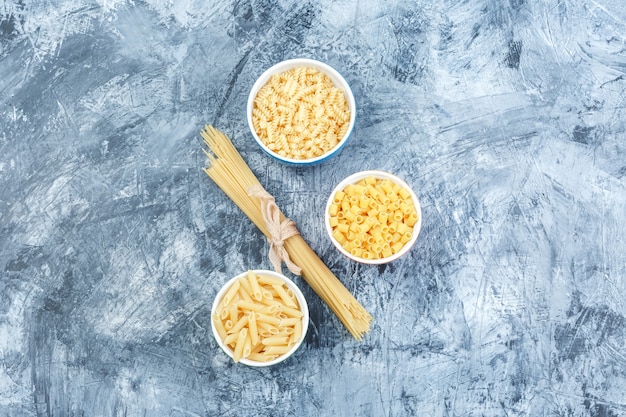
(507, 117)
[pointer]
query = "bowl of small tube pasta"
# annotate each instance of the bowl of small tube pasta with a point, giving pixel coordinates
(373, 217)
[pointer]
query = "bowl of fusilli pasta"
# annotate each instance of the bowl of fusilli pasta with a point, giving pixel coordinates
(301, 111)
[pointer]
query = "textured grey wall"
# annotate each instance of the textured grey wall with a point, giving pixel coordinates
(508, 118)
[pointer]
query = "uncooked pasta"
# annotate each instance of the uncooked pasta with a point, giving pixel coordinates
(231, 173)
(300, 114)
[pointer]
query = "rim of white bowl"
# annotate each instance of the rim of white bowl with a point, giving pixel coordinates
(337, 80)
(303, 307)
(356, 177)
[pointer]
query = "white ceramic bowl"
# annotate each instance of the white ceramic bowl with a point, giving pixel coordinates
(356, 177)
(301, 301)
(337, 80)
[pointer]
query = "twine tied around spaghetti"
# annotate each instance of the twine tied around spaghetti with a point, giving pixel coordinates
(279, 231)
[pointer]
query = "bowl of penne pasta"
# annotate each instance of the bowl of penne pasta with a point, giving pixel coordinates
(373, 217)
(259, 318)
(301, 111)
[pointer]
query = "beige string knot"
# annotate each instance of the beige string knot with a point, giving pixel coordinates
(279, 231)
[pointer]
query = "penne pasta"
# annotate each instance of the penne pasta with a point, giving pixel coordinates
(275, 340)
(230, 294)
(267, 280)
(267, 333)
(297, 330)
(261, 357)
(249, 306)
(290, 322)
(248, 326)
(266, 295)
(219, 325)
(247, 347)
(255, 289)
(231, 338)
(277, 349)
(292, 312)
(233, 314)
(264, 318)
(239, 344)
(282, 294)
(261, 325)
(254, 331)
(239, 325)
(271, 310)
(244, 294)
(246, 285)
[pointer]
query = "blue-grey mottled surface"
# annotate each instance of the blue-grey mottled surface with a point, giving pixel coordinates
(507, 117)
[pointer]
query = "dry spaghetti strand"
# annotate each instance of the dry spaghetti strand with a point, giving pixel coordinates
(231, 173)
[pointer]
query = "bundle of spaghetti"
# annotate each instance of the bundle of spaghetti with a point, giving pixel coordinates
(233, 175)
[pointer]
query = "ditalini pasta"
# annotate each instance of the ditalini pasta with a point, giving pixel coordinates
(231, 173)
(372, 218)
(265, 326)
(300, 114)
